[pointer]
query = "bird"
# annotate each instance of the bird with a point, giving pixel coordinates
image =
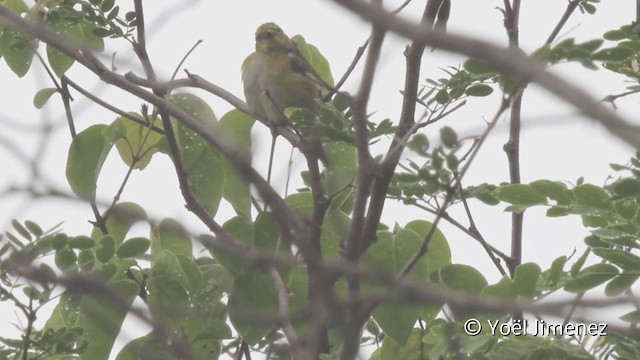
(276, 77)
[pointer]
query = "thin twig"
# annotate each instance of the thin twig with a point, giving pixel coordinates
(349, 70)
(509, 61)
(140, 45)
(184, 58)
(571, 7)
(461, 227)
(474, 229)
(66, 99)
(612, 98)
(364, 178)
(108, 106)
(283, 308)
(512, 147)
(31, 318)
(443, 207)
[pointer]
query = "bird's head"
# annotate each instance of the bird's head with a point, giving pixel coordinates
(271, 38)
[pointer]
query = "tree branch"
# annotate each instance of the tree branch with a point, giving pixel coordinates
(509, 61)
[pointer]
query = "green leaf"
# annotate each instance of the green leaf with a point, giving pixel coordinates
(167, 266)
(615, 35)
(202, 164)
(478, 67)
(192, 272)
(626, 208)
(589, 8)
(591, 196)
(106, 5)
(452, 162)
(65, 259)
(508, 84)
(482, 192)
(130, 15)
(479, 90)
(170, 235)
(87, 153)
(168, 284)
(65, 313)
(536, 348)
(102, 32)
(133, 247)
(59, 241)
(419, 143)
(136, 143)
(16, 6)
(623, 259)
(253, 293)
(621, 283)
(391, 252)
(448, 136)
(519, 194)
(33, 228)
(577, 266)
(106, 249)
(13, 239)
(266, 233)
(92, 41)
(236, 190)
(555, 271)
(242, 229)
(146, 348)
(462, 278)
(81, 242)
(613, 54)
(591, 277)
(71, 31)
(411, 350)
(556, 211)
(86, 260)
(101, 318)
(612, 234)
(627, 187)
(120, 220)
(335, 228)
(526, 280)
(20, 229)
(207, 344)
(43, 96)
(594, 221)
(632, 44)
(18, 49)
(632, 317)
(442, 96)
(554, 190)
(438, 251)
(314, 58)
(504, 289)
(113, 13)
(594, 241)
(301, 203)
(591, 45)
(341, 171)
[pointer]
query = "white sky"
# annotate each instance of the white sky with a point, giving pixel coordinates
(556, 142)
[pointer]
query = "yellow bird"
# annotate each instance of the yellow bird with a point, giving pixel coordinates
(276, 76)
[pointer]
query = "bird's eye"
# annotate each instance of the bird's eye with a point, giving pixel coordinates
(267, 34)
